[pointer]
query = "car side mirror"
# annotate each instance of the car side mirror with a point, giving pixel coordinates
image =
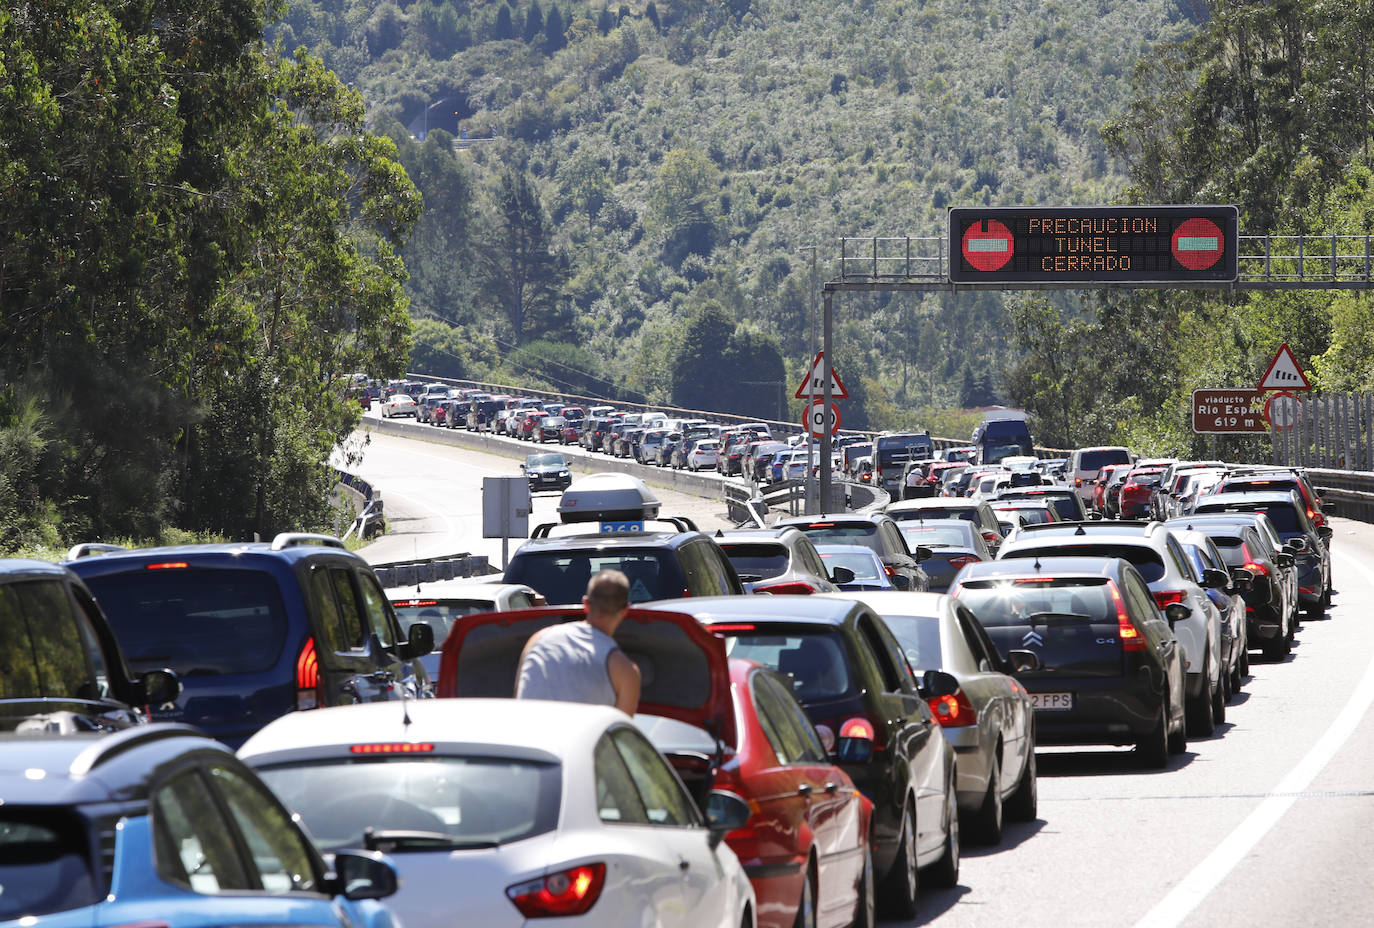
(922, 553)
(1020, 660)
(1094, 516)
(1324, 532)
(1328, 508)
(1177, 612)
(937, 683)
(1214, 578)
(522, 466)
(160, 686)
(1242, 580)
(725, 812)
(362, 875)
(1296, 544)
(420, 642)
(842, 575)
(1283, 559)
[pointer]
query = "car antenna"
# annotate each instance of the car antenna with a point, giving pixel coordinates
(1080, 530)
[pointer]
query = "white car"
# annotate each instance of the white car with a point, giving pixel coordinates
(440, 603)
(499, 811)
(703, 454)
(398, 404)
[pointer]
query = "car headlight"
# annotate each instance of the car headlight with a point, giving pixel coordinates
(564, 473)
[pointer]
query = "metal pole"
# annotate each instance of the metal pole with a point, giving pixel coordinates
(826, 368)
(809, 488)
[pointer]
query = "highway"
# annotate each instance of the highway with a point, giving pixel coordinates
(1269, 822)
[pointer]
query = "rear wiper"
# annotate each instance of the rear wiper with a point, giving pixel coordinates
(393, 841)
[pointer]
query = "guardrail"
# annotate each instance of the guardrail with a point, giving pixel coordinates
(431, 570)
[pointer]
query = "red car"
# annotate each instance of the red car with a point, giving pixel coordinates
(730, 728)
(1134, 502)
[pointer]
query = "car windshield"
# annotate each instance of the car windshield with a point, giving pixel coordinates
(999, 603)
(45, 862)
(562, 576)
(195, 620)
(815, 660)
(1144, 558)
(950, 534)
(764, 561)
(452, 801)
(546, 460)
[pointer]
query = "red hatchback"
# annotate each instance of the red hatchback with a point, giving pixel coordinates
(1134, 502)
(731, 729)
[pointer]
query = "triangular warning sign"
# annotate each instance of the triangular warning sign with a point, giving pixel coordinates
(1284, 373)
(815, 382)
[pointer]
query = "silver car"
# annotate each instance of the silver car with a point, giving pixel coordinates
(988, 719)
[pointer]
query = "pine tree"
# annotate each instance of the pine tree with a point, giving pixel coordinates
(554, 38)
(534, 22)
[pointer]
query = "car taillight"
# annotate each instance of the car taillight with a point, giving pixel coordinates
(307, 676)
(1167, 598)
(992, 538)
(953, 711)
(889, 570)
(1131, 639)
(859, 727)
(790, 587)
(167, 565)
(961, 561)
(567, 892)
(1257, 569)
(1078, 481)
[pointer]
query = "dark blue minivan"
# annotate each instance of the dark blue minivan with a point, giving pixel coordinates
(256, 630)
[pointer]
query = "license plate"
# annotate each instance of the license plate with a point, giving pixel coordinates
(1051, 701)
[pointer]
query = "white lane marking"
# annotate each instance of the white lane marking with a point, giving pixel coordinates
(1206, 876)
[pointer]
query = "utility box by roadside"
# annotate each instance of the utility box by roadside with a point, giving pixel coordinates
(506, 511)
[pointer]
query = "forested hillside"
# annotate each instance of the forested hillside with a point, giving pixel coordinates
(639, 181)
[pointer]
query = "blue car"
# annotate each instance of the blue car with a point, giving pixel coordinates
(160, 826)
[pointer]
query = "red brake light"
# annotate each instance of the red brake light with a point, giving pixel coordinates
(1020, 580)
(953, 711)
(794, 587)
(1168, 597)
(962, 561)
(857, 727)
(168, 565)
(567, 892)
(416, 602)
(992, 537)
(1259, 570)
(889, 570)
(1131, 639)
(398, 747)
(726, 628)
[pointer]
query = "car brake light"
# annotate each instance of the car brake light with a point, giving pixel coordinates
(726, 628)
(953, 711)
(1167, 598)
(791, 587)
(1131, 639)
(889, 570)
(1020, 580)
(396, 747)
(961, 561)
(992, 538)
(1257, 569)
(567, 892)
(307, 676)
(416, 602)
(857, 727)
(167, 565)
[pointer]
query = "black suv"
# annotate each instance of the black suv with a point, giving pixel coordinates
(878, 532)
(257, 630)
(61, 669)
(659, 564)
(779, 560)
(159, 825)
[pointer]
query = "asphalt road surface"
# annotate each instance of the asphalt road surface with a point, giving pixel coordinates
(1268, 823)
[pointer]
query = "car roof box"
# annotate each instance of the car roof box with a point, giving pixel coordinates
(608, 497)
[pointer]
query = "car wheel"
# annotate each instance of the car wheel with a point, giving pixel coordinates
(1154, 747)
(1200, 721)
(1024, 804)
(986, 823)
(1178, 740)
(1235, 682)
(1220, 695)
(902, 884)
(864, 915)
(1315, 611)
(1245, 660)
(945, 871)
(1275, 649)
(806, 905)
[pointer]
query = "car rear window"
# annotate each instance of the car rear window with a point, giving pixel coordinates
(45, 862)
(1000, 603)
(1096, 460)
(937, 536)
(195, 620)
(764, 561)
(866, 567)
(862, 533)
(562, 576)
(1232, 552)
(462, 801)
(817, 662)
(1144, 558)
(1282, 515)
(967, 513)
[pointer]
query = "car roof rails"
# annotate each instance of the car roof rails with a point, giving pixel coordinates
(544, 530)
(300, 539)
(86, 549)
(111, 746)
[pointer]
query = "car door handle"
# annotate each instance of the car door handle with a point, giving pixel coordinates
(804, 789)
(832, 787)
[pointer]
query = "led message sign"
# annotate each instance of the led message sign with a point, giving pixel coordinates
(1093, 244)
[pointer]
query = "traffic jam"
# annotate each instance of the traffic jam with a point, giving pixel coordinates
(799, 723)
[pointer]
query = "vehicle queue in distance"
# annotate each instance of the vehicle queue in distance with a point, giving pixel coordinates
(810, 757)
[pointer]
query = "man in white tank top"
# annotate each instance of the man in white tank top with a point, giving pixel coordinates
(580, 661)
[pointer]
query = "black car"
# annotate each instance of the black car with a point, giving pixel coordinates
(1308, 543)
(1112, 668)
(63, 669)
(547, 470)
(1067, 504)
(779, 560)
(849, 673)
(550, 428)
(258, 629)
(878, 532)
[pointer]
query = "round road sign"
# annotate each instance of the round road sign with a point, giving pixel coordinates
(1283, 410)
(987, 245)
(1198, 244)
(816, 421)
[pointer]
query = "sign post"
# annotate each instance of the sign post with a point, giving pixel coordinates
(506, 511)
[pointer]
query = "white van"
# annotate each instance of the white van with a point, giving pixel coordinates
(1084, 463)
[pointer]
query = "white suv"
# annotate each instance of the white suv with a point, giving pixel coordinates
(1154, 551)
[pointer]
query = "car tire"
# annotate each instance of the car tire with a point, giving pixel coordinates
(1201, 724)
(1220, 696)
(864, 914)
(945, 871)
(985, 825)
(1245, 660)
(1276, 649)
(902, 883)
(806, 905)
(1024, 804)
(1154, 747)
(1177, 740)
(1236, 680)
